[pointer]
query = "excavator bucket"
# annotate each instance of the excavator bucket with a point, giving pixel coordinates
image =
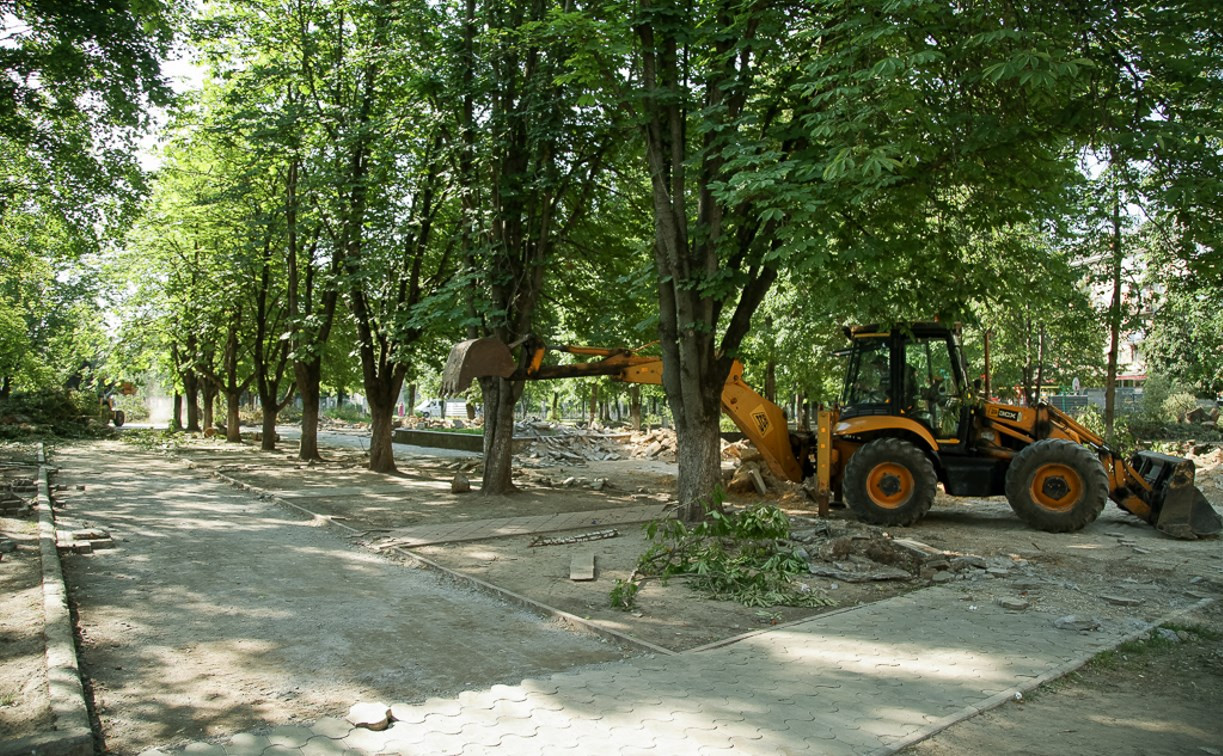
(476, 358)
(1178, 508)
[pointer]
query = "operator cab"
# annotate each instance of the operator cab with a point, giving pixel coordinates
(913, 371)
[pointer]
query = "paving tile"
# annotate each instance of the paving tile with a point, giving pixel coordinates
(204, 749)
(369, 741)
(247, 744)
(280, 750)
(321, 745)
(290, 736)
(331, 727)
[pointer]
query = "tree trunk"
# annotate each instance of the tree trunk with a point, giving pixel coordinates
(210, 399)
(268, 442)
(556, 406)
(191, 386)
(176, 422)
(233, 420)
(6, 387)
(634, 407)
(700, 462)
(1040, 363)
(309, 377)
(1114, 323)
(500, 397)
(380, 394)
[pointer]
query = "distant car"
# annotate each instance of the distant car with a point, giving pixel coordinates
(443, 408)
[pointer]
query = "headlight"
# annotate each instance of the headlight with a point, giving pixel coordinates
(988, 435)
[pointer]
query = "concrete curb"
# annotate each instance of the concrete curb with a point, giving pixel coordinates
(72, 733)
(1009, 694)
(570, 620)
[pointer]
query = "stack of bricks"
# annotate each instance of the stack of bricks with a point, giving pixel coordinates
(11, 500)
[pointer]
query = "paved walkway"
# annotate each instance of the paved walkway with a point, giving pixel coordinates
(478, 530)
(861, 681)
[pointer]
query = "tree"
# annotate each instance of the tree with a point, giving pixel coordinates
(539, 152)
(833, 137)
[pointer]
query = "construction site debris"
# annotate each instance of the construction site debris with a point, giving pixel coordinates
(460, 484)
(1076, 623)
(582, 567)
(597, 535)
(1013, 604)
(370, 715)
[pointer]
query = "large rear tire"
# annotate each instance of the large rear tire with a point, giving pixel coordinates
(1057, 486)
(889, 481)
(119, 418)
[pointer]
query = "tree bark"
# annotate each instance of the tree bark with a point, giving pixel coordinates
(191, 388)
(500, 398)
(382, 409)
(210, 399)
(1114, 322)
(309, 379)
(233, 418)
(634, 407)
(176, 422)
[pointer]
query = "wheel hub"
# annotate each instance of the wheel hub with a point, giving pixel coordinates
(1055, 488)
(890, 484)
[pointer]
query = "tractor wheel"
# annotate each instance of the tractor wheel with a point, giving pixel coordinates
(1057, 485)
(889, 481)
(119, 418)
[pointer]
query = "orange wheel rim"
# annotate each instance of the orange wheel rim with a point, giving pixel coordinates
(889, 485)
(1056, 487)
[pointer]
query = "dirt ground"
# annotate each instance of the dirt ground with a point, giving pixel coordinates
(1154, 697)
(1117, 570)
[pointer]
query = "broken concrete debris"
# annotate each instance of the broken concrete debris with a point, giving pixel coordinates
(370, 715)
(1076, 623)
(598, 535)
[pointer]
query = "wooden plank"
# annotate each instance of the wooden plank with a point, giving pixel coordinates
(583, 566)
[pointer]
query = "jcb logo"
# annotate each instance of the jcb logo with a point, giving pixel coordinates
(1006, 414)
(762, 421)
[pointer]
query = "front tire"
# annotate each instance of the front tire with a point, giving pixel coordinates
(119, 418)
(1057, 486)
(889, 481)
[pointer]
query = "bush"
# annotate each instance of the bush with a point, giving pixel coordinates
(1124, 427)
(66, 414)
(349, 413)
(1176, 406)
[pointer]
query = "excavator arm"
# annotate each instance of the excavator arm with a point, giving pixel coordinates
(762, 421)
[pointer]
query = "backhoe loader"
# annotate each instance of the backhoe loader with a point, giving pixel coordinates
(908, 420)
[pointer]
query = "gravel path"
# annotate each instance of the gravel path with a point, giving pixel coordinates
(218, 612)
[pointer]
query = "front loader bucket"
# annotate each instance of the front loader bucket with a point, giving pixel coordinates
(1178, 508)
(476, 358)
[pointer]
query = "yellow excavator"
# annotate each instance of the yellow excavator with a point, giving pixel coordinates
(907, 420)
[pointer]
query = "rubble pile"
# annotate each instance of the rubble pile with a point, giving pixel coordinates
(659, 444)
(853, 552)
(1208, 459)
(556, 444)
(16, 495)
